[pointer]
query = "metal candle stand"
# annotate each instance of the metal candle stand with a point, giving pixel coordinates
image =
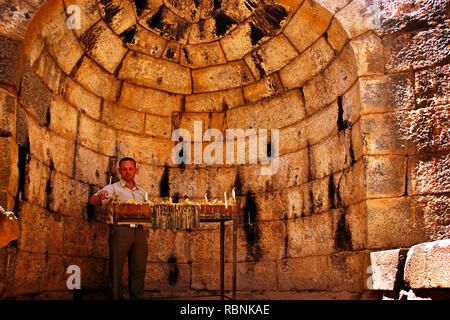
(216, 216)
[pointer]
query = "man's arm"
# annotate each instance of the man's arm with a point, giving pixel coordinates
(96, 199)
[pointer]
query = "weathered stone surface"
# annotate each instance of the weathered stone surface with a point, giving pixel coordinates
(33, 228)
(351, 104)
(172, 52)
(168, 276)
(350, 185)
(369, 55)
(380, 134)
(188, 183)
(305, 273)
(15, 17)
(168, 246)
(7, 113)
(87, 102)
(307, 25)
(89, 14)
(35, 191)
(333, 5)
(78, 238)
(387, 269)
(63, 118)
(49, 72)
(270, 56)
(147, 42)
(201, 55)
(358, 17)
(427, 265)
(123, 118)
(159, 74)
(385, 175)
(432, 86)
(435, 211)
(149, 100)
(157, 126)
(221, 77)
(238, 42)
(272, 113)
(334, 81)
(386, 93)
(265, 88)
(392, 223)
(214, 101)
(347, 271)
(256, 275)
(103, 46)
(119, 15)
(401, 15)
(84, 170)
(28, 273)
(308, 64)
(429, 174)
(96, 136)
(336, 35)
(96, 80)
(206, 276)
(418, 49)
(10, 65)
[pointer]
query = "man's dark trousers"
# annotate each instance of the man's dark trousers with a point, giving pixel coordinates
(132, 242)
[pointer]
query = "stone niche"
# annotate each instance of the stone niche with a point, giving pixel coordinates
(360, 102)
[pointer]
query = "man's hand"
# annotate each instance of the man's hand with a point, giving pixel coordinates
(97, 198)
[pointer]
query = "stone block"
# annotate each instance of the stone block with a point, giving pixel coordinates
(333, 5)
(149, 177)
(123, 118)
(306, 26)
(54, 234)
(386, 93)
(270, 204)
(265, 88)
(299, 203)
(87, 102)
(28, 273)
(7, 113)
(60, 41)
(336, 35)
(63, 118)
(351, 104)
(428, 174)
(100, 247)
(168, 246)
(305, 273)
(333, 82)
(147, 42)
(418, 49)
(205, 31)
(145, 150)
(307, 65)
(35, 43)
(78, 237)
(96, 136)
(270, 56)
(221, 77)
(190, 183)
(276, 112)
(426, 265)
(119, 15)
(103, 46)
(172, 52)
(292, 171)
(54, 275)
(238, 43)
(380, 134)
(385, 175)
(149, 100)
(348, 271)
(204, 246)
(259, 275)
(357, 17)
(350, 185)
(356, 223)
(15, 17)
(392, 222)
(33, 228)
(432, 86)
(59, 152)
(167, 277)
(293, 137)
(35, 190)
(313, 235)
(88, 11)
(159, 74)
(369, 54)
(214, 101)
(201, 55)
(329, 156)
(157, 126)
(387, 269)
(35, 96)
(206, 276)
(96, 80)
(91, 167)
(221, 179)
(49, 72)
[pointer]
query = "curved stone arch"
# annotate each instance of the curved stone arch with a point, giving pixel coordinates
(380, 174)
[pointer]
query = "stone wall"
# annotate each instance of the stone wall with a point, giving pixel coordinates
(362, 111)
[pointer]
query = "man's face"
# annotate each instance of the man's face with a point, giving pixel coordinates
(127, 170)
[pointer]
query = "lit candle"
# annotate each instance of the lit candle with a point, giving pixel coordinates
(110, 179)
(234, 195)
(225, 194)
(146, 196)
(206, 198)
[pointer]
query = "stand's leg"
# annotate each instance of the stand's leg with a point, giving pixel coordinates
(222, 259)
(234, 257)
(115, 260)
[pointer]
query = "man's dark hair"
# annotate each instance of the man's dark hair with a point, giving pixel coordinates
(127, 159)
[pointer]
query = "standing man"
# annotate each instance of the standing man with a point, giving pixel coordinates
(132, 238)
